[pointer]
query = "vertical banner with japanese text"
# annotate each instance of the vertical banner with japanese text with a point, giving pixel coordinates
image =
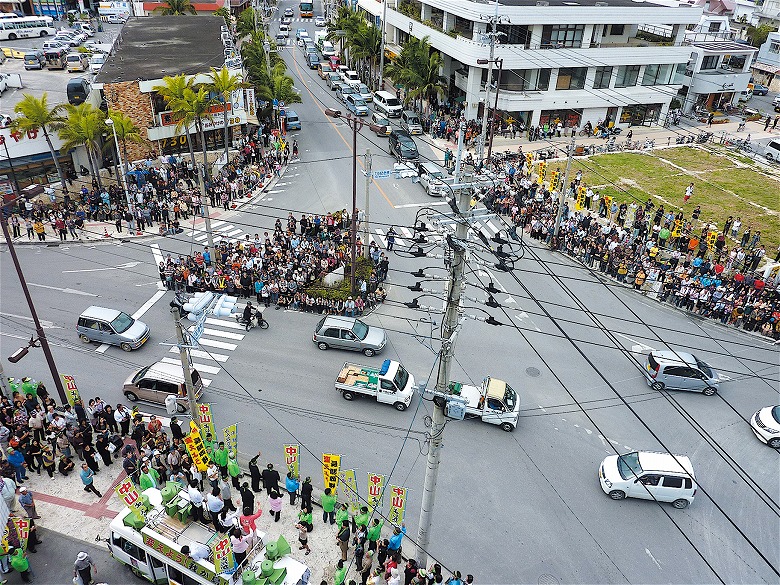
(130, 497)
(397, 504)
(376, 482)
(196, 448)
(22, 526)
(231, 439)
(223, 554)
(206, 422)
(331, 463)
(71, 391)
(291, 459)
(349, 490)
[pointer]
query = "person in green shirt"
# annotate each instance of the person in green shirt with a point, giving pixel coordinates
(374, 532)
(341, 573)
(234, 471)
(342, 514)
(328, 502)
(360, 519)
(150, 478)
(305, 517)
(220, 457)
(19, 562)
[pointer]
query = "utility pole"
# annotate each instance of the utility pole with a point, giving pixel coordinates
(382, 46)
(185, 362)
(562, 194)
(454, 288)
(6, 391)
(204, 201)
(366, 230)
(33, 313)
(493, 21)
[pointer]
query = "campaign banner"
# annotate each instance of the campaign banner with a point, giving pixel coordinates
(196, 448)
(331, 464)
(349, 490)
(130, 497)
(223, 554)
(397, 504)
(71, 391)
(376, 482)
(292, 459)
(22, 526)
(206, 422)
(231, 439)
(250, 100)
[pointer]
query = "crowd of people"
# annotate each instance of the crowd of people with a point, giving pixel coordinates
(669, 254)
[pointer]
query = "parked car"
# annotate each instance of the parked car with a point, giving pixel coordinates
(343, 92)
(3, 82)
(759, 89)
(77, 62)
(54, 45)
(766, 426)
(116, 19)
(381, 121)
(77, 90)
(402, 145)
(289, 12)
(364, 92)
(356, 104)
(349, 333)
(34, 59)
(96, 62)
(323, 69)
(320, 21)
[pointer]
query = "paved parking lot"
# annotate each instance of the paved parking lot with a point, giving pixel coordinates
(36, 82)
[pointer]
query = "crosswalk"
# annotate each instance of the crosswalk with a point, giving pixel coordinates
(220, 335)
(299, 19)
(222, 230)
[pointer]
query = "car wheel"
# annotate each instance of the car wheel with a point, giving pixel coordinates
(125, 347)
(774, 443)
(368, 352)
(680, 504)
(400, 406)
(131, 396)
(348, 395)
(322, 345)
(12, 37)
(617, 495)
(709, 391)
(180, 408)
(507, 427)
(84, 338)
(44, 33)
(657, 386)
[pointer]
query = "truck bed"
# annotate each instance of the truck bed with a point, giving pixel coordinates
(470, 393)
(358, 377)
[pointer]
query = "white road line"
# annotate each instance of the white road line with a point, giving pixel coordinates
(201, 236)
(381, 237)
(202, 368)
(197, 353)
(490, 227)
(206, 382)
(233, 233)
(420, 204)
(406, 232)
(217, 344)
(63, 290)
(148, 304)
(216, 224)
(226, 228)
(224, 323)
(222, 334)
(158, 257)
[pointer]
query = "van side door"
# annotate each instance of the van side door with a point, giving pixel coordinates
(671, 488)
(646, 486)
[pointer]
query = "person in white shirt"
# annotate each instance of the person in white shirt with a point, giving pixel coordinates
(240, 543)
(215, 505)
(197, 552)
(196, 499)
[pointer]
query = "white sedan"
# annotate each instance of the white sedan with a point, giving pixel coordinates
(320, 21)
(766, 425)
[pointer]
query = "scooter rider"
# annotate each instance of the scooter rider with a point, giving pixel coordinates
(248, 311)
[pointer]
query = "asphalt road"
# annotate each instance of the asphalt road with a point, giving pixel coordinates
(520, 507)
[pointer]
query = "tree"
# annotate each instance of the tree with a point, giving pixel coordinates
(346, 21)
(84, 125)
(176, 8)
(224, 13)
(427, 82)
(366, 44)
(280, 87)
(172, 91)
(245, 25)
(757, 34)
(126, 131)
(413, 58)
(276, 86)
(225, 83)
(34, 114)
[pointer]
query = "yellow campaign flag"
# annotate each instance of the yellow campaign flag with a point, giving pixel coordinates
(349, 490)
(130, 497)
(224, 562)
(331, 464)
(71, 391)
(291, 459)
(376, 483)
(196, 448)
(22, 526)
(580, 202)
(231, 439)
(397, 504)
(206, 421)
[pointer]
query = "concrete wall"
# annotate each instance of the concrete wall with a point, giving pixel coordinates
(126, 97)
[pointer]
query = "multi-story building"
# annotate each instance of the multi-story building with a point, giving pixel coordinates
(766, 67)
(152, 48)
(573, 60)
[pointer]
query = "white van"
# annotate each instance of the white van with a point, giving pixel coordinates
(771, 151)
(327, 49)
(410, 121)
(386, 102)
(649, 475)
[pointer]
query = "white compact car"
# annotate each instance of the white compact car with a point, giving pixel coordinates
(766, 425)
(649, 475)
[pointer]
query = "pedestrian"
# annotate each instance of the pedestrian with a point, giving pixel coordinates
(19, 562)
(122, 417)
(27, 502)
(340, 575)
(305, 517)
(292, 485)
(275, 505)
(774, 124)
(374, 532)
(83, 568)
(254, 472)
(176, 431)
(48, 460)
(196, 501)
(270, 479)
(306, 490)
(328, 501)
(342, 538)
(394, 543)
(234, 471)
(368, 563)
(391, 238)
(688, 193)
(710, 117)
(247, 496)
(215, 506)
(768, 122)
(303, 537)
(88, 479)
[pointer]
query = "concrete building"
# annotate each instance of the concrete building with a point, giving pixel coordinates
(577, 61)
(152, 48)
(766, 68)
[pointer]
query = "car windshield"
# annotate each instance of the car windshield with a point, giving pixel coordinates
(401, 378)
(360, 329)
(510, 399)
(359, 103)
(141, 373)
(776, 414)
(628, 465)
(382, 121)
(407, 143)
(704, 368)
(122, 323)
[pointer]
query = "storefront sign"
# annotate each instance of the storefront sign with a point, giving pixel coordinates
(183, 560)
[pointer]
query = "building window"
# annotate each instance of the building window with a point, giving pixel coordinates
(774, 46)
(627, 75)
(616, 30)
(571, 78)
(656, 74)
(710, 62)
(735, 61)
(603, 77)
(714, 27)
(515, 35)
(562, 35)
(543, 81)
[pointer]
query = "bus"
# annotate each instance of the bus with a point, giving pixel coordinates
(25, 27)
(307, 9)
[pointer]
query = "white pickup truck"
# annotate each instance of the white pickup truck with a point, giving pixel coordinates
(389, 384)
(494, 402)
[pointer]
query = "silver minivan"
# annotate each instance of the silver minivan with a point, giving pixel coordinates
(112, 327)
(433, 179)
(156, 382)
(680, 371)
(349, 333)
(410, 121)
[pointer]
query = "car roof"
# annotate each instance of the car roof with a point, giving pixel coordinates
(402, 133)
(339, 320)
(675, 357)
(665, 462)
(96, 312)
(166, 372)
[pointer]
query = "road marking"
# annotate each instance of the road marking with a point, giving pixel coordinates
(201, 237)
(233, 233)
(202, 368)
(137, 315)
(206, 382)
(218, 333)
(638, 346)
(158, 257)
(69, 291)
(120, 267)
(216, 224)
(420, 204)
(217, 344)
(197, 353)
(226, 228)
(657, 564)
(223, 323)
(45, 324)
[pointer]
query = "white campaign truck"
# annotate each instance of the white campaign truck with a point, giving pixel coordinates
(389, 384)
(494, 402)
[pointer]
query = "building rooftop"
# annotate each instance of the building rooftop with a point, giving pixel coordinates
(155, 46)
(587, 3)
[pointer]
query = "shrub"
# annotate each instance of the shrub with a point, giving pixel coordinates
(342, 290)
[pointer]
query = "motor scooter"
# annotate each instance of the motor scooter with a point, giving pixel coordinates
(256, 320)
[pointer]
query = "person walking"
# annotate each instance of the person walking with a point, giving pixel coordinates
(275, 505)
(688, 193)
(88, 479)
(768, 122)
(303, 537)
(83, 568)
(328, 501)
(27, 502)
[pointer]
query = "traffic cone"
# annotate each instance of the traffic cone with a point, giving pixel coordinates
(105, 233)
(139, 232)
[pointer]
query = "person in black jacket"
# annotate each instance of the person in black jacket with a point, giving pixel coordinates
(270, 479)
(176, 429)
(306, 489)
(254, 472)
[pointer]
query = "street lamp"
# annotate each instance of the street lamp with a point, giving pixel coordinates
(110, 124)
(356, 124)
(500, 63)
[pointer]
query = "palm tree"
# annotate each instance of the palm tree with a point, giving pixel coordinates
(172, 90)
(224, 83)
(34, 114)
(280, 87)
(346, 21)
(428, 82)
(414, 58)
(192, 108)
(126, 131)
(366, 43)
(176, 8)
(84, 125)
(245, 24)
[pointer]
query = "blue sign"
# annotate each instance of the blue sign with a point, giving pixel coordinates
(381, 174)
(275, 102)
(281, 112)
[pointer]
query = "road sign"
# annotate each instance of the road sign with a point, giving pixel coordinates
(276, 103)
(381, 174)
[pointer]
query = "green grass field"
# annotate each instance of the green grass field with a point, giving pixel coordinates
(724, 184)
